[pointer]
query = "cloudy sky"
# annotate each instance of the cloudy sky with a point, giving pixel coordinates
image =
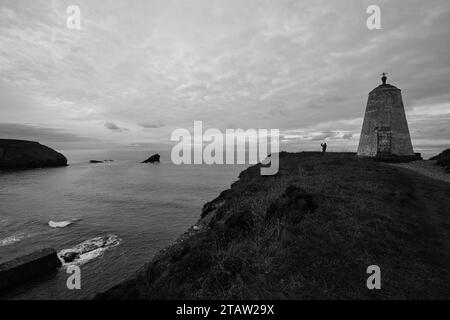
(139, 69)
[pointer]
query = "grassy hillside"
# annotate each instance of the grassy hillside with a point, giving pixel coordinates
(443, 159)
(310, 232)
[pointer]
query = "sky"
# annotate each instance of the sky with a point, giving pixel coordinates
(139, 69)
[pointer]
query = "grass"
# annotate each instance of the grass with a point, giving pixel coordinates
(443, 159)
(310, 232)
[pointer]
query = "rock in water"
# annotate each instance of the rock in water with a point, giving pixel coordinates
(70, 256)
(22, 269)
(95, 161)
(21, 154)
(154, 158)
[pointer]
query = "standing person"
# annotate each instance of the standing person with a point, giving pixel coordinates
(324, 147)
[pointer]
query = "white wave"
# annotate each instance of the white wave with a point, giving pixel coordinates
(12, 239)
(88, 256)
(90, 249)
(61, 224)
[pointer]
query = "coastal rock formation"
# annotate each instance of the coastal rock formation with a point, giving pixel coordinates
(309, 232)
(19, 270)
(70, 256)
(153, 159)
(22, 154)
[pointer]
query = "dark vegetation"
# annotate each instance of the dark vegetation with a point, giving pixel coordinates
(443, 159)
(310, 232)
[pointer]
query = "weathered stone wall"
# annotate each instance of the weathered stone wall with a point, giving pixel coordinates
(401, 140)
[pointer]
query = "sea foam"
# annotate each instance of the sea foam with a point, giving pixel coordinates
(11, 239)
(61, 224)
(90, 249)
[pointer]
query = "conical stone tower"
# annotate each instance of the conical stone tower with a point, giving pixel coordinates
(385, 132)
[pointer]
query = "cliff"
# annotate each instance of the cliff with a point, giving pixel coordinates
(21, 154)
(310, 232)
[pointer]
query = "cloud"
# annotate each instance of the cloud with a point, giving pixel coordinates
(317, 136)
(291, 65)
(38, 133)
(149, 125)
(347, 136)
(114, 127)
(57, 138)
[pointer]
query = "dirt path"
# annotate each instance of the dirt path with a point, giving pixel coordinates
(427, 168)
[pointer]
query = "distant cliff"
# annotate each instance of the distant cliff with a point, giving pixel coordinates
(21, 154)
(309, 232)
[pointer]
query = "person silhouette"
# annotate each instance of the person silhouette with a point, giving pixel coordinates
(324, 147)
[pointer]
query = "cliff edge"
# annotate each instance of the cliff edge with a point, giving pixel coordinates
(309, 232)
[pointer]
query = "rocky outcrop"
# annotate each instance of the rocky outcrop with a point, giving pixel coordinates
(153, 159)
(22, 269)
(22, 154)
(70, 256)
(100, 161)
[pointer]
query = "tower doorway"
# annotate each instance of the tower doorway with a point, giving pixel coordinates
(384, 140)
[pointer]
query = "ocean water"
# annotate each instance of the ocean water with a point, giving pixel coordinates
(128, 211)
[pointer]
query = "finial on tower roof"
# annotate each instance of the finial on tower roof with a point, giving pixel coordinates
(383, 78)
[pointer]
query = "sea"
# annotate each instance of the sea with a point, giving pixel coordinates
(117, 215)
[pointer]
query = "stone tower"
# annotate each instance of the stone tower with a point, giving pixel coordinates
(385, 130)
